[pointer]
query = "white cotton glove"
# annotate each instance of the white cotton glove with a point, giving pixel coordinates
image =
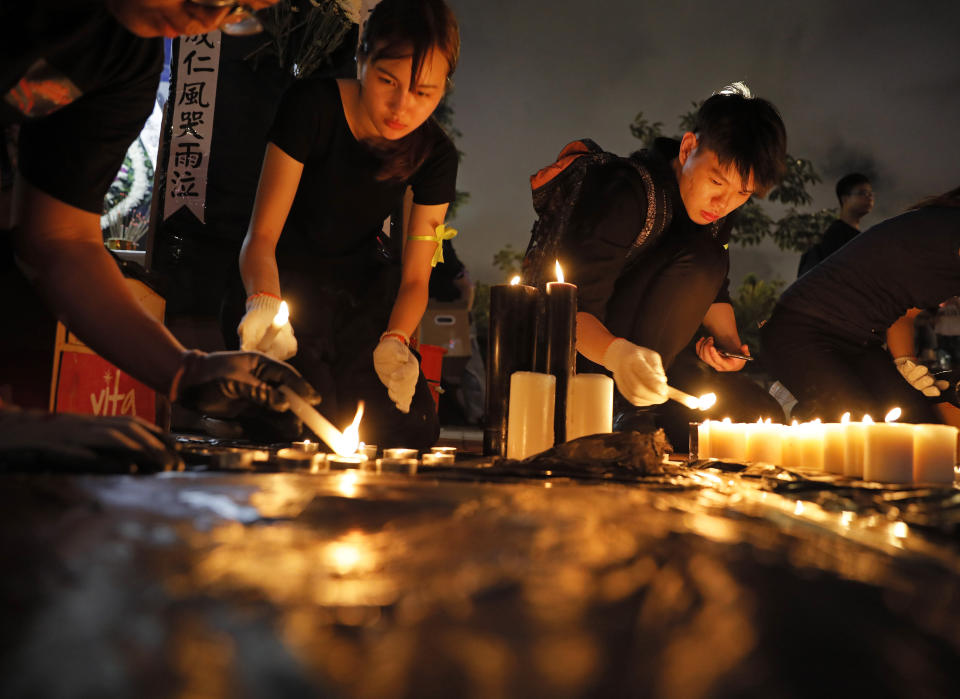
(918, 376)
(256, 323)
(637, 371)
(397, 369)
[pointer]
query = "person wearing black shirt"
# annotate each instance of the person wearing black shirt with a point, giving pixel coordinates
(855, 194)
(80, 78)
(340, 156)
(636, 313)
(824, 340)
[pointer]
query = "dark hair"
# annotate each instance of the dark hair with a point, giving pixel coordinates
(951, 198)
(401, 28)
(846, 184)
(746, 131)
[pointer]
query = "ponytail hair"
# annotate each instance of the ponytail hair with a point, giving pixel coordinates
(401, 28)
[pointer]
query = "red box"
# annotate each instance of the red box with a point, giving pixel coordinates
(90, 385)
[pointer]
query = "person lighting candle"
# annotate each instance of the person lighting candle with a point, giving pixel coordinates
(340, 156)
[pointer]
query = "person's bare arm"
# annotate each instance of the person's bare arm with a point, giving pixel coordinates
(721, 323)
(62, 246)
(901, 336)
(415, 281)
(593, 338)
(279, 180)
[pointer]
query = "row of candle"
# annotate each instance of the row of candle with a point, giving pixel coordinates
(888, 452)
(307, 455)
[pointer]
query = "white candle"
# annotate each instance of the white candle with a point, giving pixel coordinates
(530, 417)
(834, 446)
(811, 445)
(888, 452)
(279, 320)
(853, 447)
(791, 456)
(934, 453)
(728, 440)
(764, 442)
(589, 405)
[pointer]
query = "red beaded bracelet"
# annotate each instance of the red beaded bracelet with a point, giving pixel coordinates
(264, 293)
(400, 337)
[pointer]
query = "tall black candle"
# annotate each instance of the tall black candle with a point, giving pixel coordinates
(559, 353)
(511, 346)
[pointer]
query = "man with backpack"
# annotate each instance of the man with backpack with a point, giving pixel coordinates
(645, 239)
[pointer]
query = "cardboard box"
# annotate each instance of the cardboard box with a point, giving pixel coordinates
(447, 325)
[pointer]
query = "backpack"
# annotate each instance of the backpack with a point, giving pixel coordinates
(556, 189)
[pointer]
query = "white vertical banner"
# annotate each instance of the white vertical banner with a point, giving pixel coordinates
(198, 66)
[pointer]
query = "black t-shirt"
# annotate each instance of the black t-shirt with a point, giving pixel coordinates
(910, 261)
(81, 86)
(339, 207)
(838, 234)
(611, 212)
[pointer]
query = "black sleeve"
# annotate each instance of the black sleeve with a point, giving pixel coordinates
(435, 182)
(305, 114)
(605, 221)
(74, 153)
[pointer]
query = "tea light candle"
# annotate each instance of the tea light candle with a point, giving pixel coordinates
(728, 440)
(530, 420)
(306, 446)
(888, 452)
(294, 457)
(338, 461)
(397, 465)
(834, 447)
(764, 442)
(279, 320)
(934, 453)
(589, 405)
(444, 450)
(435, 459)
(400, 453)
(368, 450)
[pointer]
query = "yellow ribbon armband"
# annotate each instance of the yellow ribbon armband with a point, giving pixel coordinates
(440, 233)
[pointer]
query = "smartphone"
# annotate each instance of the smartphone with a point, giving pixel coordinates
(733, 355)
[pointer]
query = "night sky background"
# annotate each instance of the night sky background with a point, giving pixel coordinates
(862, 86)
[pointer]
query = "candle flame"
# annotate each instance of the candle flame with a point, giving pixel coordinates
(867, 419)
(815, 421)
(726, 420)
(706, 401)
(845, 418)
(350, 439)
(794, 423)
(759, 420)
(893, 415)
(283, 315)
(515, 280)
(559, 272)
(768, 421)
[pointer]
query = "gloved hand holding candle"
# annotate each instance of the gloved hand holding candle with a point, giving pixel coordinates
(266, 327)
(637, 371)
(397, 368)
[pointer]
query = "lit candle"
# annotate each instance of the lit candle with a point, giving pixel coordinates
(306, 446)
(530, 423)
(791, 455)
(589, 405)
(888, 451)
(511, 347)
(834, 447)
(728, 440)
(279, 320)
(934, 453)
(559, 351)
(703, 440)
(704, 402)
(853, 448)
(764, 442)
(811, 445)
(320, 425)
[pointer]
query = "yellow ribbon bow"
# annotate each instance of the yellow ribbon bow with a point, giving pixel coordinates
(440, 233)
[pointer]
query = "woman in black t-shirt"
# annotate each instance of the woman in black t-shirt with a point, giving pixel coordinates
(824, 340)
(340, 156)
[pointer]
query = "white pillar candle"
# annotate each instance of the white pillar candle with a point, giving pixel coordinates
(853, 448)
(589, 405)
(530, 417)
(791, 455)
(888, 452)
(811, 445)
(934, 453)
(834, 447)
(728, 440)
(764, 442)
(703, 439)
